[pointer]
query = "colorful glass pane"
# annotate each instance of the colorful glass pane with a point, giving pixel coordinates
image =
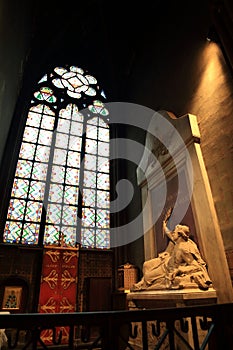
(102, 238)
(103, 149)
(16, 209)
(42, 153)
(63, 126)
(48, 170)
(37, 189)
(71, 195)
(61, 140)
(91, 146)
(69, 216)
(103, 134)
(103, 199)
(103, 164)
(88, 237)
(33, 211)
(90, 162)
(58, 174)
(72, 176)
(39, 171)
(56, 193)
(102, 218)
(30, 233)
(30, 134)
(47, 122)
(91, 132)
(75, 143)
(51, 234)
(45, 137)
(20, 188)
(12, 232)
(89, 179)
(103, 181)
(89, 196)
(73, 159)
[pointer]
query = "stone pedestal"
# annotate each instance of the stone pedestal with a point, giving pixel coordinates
(165, 299)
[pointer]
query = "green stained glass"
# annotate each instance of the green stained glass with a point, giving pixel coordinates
(69, 216)
(33, 211)
(24, 168)
(88, 217)
(37, 189)
(71, 195)
(102, 218)
(30, 233)
(16, 209)
(51, 234)
(54, 212)
(45, 94)
(27, 150)
(70, 234)
(88, 237)
(20, 188)
(102, 238)
(12, 232)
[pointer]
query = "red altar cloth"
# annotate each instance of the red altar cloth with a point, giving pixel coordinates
(58, 286)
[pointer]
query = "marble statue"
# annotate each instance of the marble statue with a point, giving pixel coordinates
(179, 266)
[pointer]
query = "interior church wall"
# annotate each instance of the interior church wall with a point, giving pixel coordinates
(178, 70)
(16, 23)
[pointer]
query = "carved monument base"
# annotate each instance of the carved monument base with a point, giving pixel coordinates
(164, 299)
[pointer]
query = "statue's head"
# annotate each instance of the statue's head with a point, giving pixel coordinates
(183, 231)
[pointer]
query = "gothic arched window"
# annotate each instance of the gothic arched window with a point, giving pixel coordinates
(61, 188)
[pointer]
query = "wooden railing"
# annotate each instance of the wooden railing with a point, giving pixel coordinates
(196, 327)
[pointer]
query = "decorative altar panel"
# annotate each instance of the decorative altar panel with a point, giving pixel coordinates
(58, 286)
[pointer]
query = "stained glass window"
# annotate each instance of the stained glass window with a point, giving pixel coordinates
(61, 187)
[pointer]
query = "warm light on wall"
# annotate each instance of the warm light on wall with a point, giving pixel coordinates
(212, 85)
